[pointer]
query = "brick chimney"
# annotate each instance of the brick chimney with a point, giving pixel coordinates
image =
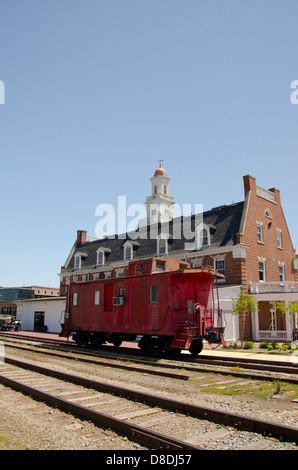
(249, 184)
(81, 237)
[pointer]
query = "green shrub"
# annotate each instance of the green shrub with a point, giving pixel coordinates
(248, 345)
(264, 345)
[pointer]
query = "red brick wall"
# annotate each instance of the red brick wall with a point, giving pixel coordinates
(269, 249)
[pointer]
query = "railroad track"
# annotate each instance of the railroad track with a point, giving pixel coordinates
(244, 362)
(135, 414)
(225, 367)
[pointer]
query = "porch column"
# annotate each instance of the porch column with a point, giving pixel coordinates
(289, 321)
(255, 325)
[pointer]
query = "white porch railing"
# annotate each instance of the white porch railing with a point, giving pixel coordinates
(271, 287)
(278, 335)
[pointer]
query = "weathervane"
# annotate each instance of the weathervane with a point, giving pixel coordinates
(160, 162)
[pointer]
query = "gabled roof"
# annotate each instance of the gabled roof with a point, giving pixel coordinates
(223, 223)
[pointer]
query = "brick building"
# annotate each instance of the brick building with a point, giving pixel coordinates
(248, 242)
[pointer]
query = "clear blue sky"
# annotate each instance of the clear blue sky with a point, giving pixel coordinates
(97, 91)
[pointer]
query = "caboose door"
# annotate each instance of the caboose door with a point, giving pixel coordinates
(191, 314)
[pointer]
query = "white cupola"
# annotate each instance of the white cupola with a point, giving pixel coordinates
(160, 205)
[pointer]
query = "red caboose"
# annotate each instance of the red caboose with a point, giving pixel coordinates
(163, 300)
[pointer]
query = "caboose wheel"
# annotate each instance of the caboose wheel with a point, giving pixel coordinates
(81, 338)
(97, 340)
(196, 347)
(117, 342)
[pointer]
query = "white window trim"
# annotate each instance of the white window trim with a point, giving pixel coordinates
(165, 237)
(263, 261)
(79, 256)
(125, 246)
(77, 262)
(216, 260)
(260, 232)
(103, 251)
(199, 230)
(99, 253)
(119, 272)
(279, 238)
(96, 297)
(281, 272)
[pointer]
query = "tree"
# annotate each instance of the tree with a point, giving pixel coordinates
(291, 309)
(243, 304)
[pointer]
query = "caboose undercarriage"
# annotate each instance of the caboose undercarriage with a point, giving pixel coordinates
(149, 343)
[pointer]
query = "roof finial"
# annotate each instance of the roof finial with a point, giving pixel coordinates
(160, 161)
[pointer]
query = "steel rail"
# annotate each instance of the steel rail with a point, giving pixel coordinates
(243, 362)
(105, 364)
(240, 422)
(201, 358)
(240, 374)
(136, 433)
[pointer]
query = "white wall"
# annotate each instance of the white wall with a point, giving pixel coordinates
(231, 322)
(53, 309)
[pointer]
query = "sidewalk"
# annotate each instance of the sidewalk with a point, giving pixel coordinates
(263, 356)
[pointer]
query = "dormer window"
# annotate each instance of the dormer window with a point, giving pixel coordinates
(100, 259)
(78, 260)
(162, 244)
(204, 239)
(77, 264)
(129, 250)
(162, 247)
(203, 236)
(101, 256)
(128, 253)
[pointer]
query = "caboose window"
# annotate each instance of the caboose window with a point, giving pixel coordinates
(140, 268)
(75, 299)
(96, 297)
(153, 294)
(160, 265)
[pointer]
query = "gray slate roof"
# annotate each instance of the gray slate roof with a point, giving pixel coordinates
(223, 223)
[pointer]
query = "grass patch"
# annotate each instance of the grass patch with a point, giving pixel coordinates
(258, 390)
(2, 439)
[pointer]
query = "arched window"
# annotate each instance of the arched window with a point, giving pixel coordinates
(203, 236)
(128, 253)
(162, 245)
(77, 262)
(100, 258)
